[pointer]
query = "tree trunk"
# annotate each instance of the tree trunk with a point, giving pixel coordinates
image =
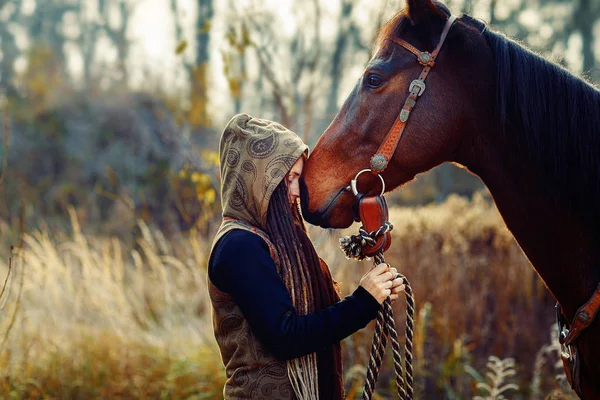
(336, 61)
(199, 73)
(586, 18)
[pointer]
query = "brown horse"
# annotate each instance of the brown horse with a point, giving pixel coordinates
(525, 126)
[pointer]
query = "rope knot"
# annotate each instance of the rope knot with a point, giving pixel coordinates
(353, 245)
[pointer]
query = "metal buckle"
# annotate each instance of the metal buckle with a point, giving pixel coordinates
(565, 352)
(419, 84)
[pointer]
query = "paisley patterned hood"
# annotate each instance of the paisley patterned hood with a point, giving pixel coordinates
(256, 155)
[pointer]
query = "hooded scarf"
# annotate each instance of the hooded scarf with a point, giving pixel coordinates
(256, 155)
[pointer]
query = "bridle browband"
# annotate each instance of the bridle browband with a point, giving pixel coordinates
(382, 157)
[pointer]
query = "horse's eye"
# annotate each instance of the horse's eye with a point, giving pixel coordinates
(374, 81)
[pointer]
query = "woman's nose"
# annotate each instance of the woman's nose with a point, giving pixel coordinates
(295, 189)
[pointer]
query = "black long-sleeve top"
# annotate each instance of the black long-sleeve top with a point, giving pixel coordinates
(241, 266)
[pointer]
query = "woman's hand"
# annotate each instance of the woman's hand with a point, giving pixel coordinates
(381, 282)
(398, 285)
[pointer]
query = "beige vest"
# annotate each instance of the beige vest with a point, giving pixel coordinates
(252, 372)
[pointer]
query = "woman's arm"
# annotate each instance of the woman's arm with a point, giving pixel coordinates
(242, 267)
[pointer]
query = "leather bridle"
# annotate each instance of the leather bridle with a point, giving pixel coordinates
(381, 159)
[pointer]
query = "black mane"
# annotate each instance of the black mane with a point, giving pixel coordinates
(553, 118)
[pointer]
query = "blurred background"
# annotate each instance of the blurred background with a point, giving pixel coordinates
(109, 194)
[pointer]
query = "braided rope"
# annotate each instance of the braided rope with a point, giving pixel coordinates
(385, 325)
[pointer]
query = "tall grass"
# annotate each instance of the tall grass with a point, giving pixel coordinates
(89, 318)
(96, 320)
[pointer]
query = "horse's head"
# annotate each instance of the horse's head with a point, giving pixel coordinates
(442, 122)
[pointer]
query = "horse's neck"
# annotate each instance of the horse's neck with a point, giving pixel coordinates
(561, 247)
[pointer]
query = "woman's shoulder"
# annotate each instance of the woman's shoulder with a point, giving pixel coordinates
(240, 241)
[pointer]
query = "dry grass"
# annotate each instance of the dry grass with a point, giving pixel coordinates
(97, 320)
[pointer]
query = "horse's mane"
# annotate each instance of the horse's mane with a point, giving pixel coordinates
(553, 118)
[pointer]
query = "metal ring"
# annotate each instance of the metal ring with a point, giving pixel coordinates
(353, 182)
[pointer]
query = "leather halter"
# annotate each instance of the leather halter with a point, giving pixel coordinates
(381, 159)
(372, 211)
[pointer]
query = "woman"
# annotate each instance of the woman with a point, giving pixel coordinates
(277, 316)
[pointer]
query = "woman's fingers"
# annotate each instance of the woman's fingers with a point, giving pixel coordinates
(385, 276)
(387, 284)
(381, 268)
(376, 271)
(398, 281)
(399, 289)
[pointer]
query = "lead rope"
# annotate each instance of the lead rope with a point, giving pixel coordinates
(385, 324)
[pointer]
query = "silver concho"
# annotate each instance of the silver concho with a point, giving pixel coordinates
(424, 58)
(378, 162)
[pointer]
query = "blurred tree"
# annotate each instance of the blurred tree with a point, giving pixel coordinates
(197, 69)
(11, 14)
(87, 40)
(234, 55)
(345, 26)
(585, 17)
(290, 66)
(560, 20)
(46, 28)
(115, 17)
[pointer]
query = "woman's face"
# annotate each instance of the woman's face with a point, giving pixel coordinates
(292, 180)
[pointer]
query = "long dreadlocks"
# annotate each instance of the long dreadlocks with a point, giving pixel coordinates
(311, 288)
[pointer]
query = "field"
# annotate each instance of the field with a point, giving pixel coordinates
(91, 317)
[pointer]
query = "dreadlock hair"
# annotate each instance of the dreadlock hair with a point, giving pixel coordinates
(311, 288)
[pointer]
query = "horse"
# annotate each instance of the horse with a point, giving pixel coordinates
(524, 125)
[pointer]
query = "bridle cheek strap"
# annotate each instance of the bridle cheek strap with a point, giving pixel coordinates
(380, 160)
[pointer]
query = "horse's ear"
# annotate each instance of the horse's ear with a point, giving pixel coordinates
(421, 10)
